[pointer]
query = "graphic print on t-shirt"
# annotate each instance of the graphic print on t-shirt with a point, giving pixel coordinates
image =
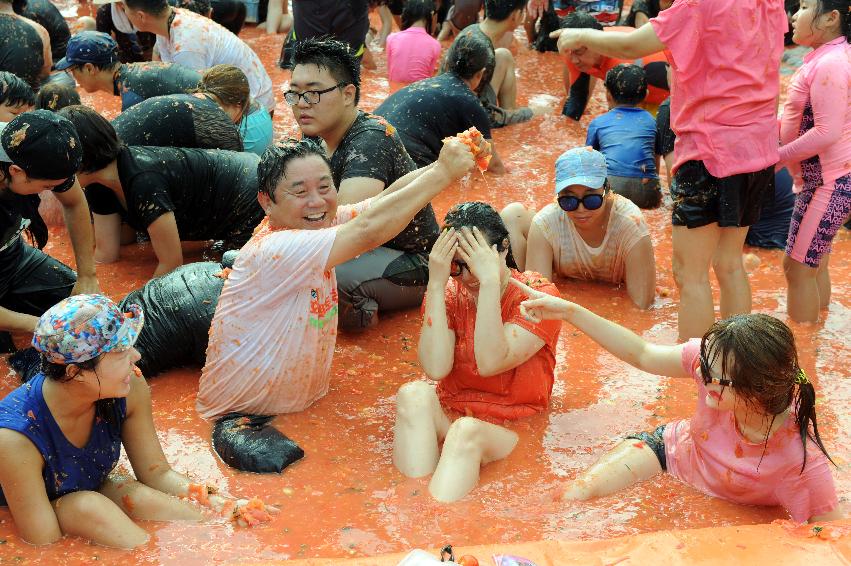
(322, 310)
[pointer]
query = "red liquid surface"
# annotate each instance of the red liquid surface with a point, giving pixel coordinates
(346, 498)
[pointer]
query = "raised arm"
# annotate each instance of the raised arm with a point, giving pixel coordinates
(616, 44)
(393, 210)
(620, 342)
(78, 221)
(436, 350)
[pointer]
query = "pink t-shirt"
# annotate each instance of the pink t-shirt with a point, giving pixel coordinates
(272, 337)
(708, 453)
(821, 89)
(726, 59)
(412, 55)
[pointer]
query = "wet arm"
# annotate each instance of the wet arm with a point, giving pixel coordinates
(166, 242)
(23, 486)
(617, 44)
(496, 166)
(78, 221)
(499, 347)
(641, 273)
(107, 237)
(358, 189)
(436, 350)
(539, 253)
(11, 321)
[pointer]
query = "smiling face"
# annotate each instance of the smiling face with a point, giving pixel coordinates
(327, 114)
(305, 197)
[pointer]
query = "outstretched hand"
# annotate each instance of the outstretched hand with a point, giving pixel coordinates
(541, 306)
(568, 39)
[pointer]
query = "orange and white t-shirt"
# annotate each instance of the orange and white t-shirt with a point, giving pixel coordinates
(513, 394)
(272, 337)
(572, 257)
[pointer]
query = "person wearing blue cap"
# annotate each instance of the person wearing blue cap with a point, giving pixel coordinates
(61, 435)
(39, 151)
(589, 233)
(93, 60)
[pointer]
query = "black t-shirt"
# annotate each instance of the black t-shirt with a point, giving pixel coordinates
(21, 49)
(427, 111)
(19, 213)
(212, 193)
(371, 148)
(139, 81)
(49, 16)
(178, 120)
(650, 8)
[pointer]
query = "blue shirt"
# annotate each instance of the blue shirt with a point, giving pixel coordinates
(627, 137)
(66, 467)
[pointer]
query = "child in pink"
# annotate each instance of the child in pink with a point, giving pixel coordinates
(815, 134)
(753, 438)
(412, 53)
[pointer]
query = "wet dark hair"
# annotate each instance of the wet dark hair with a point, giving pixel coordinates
(759, 357)
(15, 91)
(470, 53)
(155, 7)
(327, 53)
(627, 84)
(101, 145)
(483, 216)
(55, 97)
(202, 7)
(416, 10)
(105, 409)
(273, 163)
(844, 9)
(500, 10)
(580, 20)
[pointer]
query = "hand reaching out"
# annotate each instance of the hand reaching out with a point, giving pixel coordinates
(541, 306)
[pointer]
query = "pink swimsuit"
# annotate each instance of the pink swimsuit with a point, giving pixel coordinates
(815, 134)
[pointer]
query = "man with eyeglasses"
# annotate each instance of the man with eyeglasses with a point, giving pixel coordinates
(589, 233)
(367, 156)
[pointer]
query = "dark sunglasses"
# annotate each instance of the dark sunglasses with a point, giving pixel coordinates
(570, 203)
(707, 375)
(456, 268)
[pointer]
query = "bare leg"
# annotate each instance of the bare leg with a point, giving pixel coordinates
(732, 277)
(518, 219)
(504, 82)
(386, 25)
(420, 426)
(823, 280)
(93, 516)
(802, 293)
(146, 503)
(693, 252)
(469, 444)
(629, 462)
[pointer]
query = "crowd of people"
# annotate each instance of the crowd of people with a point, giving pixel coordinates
(329, 231)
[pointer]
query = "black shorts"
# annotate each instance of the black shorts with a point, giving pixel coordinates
(735, 201)
(656, 441)
(344, 21)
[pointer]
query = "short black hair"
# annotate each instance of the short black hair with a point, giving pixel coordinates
(155, 7)
(15, 91)
(580, 20)
(416, 10)
(500, 10)
(471, 52)
(627, 84)
(56, 96)
(327, 53)
(274, 161)
(101, 145)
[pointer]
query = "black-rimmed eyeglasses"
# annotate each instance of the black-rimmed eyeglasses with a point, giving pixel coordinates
(310, 96)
